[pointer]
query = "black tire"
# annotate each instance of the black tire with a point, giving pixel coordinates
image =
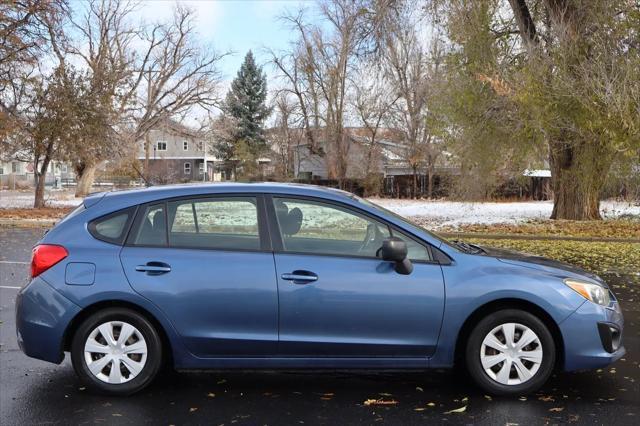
(484, 327)
(153, 359)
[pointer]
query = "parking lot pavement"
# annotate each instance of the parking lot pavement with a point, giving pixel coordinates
(32, 391)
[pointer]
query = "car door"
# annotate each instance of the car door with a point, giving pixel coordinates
(207, 264)
(337, 299)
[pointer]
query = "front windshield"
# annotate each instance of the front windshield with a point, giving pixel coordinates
(413, 226)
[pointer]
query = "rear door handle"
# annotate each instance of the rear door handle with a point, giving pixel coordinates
(154, 268)
(300, 277)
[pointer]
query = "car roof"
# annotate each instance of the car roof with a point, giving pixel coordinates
(120, 199)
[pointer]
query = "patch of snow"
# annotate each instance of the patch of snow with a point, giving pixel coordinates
(455, 213)
(24, 199)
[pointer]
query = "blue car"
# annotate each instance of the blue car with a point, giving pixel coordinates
(277, 276)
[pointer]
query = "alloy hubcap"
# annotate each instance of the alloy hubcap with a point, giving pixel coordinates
(115, 352)
(511, 354)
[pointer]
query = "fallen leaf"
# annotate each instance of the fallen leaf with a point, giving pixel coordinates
(457, 410)
(546, 399)
(192, 409)
(211, 395)
(556, 409)
(223, 381)
(488, 398)
(431, 404)
(380, 402)
(418, 388)
(419, 409)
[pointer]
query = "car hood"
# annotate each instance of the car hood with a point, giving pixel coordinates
(541, 263)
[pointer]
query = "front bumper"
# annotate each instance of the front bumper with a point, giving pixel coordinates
(42, 316)
(589, 341)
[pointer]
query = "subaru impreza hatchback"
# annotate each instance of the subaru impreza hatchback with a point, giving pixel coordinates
(293, 276)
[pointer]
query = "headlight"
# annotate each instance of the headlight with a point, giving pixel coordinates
(593, 292)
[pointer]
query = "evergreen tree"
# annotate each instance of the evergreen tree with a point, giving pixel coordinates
(246, 105)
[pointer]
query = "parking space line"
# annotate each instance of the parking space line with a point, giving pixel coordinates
(14, 261)
(11, 287)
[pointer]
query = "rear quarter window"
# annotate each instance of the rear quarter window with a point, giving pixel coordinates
(112, 228)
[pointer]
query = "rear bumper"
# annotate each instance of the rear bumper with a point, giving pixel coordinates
(42, 316)
(592, 337)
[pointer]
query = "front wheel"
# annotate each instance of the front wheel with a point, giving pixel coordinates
(510, 352)
(116, 351)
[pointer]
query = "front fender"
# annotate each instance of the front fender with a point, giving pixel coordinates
(473, 282)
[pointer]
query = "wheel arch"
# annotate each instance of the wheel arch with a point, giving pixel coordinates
(167, 347)
(509, 303)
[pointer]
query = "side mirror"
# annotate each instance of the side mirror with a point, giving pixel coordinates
(395, 250)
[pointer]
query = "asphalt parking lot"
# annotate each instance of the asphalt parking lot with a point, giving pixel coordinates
(35, 392)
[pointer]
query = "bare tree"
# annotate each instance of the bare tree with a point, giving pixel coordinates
(411, 64)
(324, 57)
(285, 135)
(373, 99)
(175, 75)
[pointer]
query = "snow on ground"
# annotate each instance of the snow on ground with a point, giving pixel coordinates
(454, 213)
(24, 199)
(449, 214)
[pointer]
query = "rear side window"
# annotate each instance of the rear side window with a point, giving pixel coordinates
(113, 227)
(215, 223)
(152, 230)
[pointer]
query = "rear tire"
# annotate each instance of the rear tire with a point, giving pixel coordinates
(510, 352)
(116, 351)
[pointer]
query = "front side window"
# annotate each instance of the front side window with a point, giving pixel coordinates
(215, 223)
(322, 228)
(161, 146)
(152, 230)
(415, 250)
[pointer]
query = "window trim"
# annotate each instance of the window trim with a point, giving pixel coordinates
(263, 229)
(184, 168)
(278, 246)
(92, 224)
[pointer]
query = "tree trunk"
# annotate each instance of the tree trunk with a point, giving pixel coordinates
(577, 177)
(38, 201)
(414, 188)
(430, 182)
(147, 146)
(85, 180)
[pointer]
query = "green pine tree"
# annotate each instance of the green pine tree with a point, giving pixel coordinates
(246, 105)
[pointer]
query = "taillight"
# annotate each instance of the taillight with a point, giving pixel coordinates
(44, 256)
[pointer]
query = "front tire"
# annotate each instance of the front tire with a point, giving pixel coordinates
(116, 351)
(510, 352)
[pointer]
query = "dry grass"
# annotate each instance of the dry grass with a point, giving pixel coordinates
(42, 213)
(618, 228)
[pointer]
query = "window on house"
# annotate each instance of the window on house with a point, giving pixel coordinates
(201, 168)
(15, 167)
(161, 146)
(200, 146)
(185, 146)
(187, 168)
(65, 168)
(1, 169)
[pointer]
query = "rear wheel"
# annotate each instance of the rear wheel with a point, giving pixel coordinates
(116, 351)
(510, 352)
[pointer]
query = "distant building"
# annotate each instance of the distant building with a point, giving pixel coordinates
(178, 153)
(17, 174)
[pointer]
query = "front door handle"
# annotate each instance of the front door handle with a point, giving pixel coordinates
(154, 268)
(300, 277)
